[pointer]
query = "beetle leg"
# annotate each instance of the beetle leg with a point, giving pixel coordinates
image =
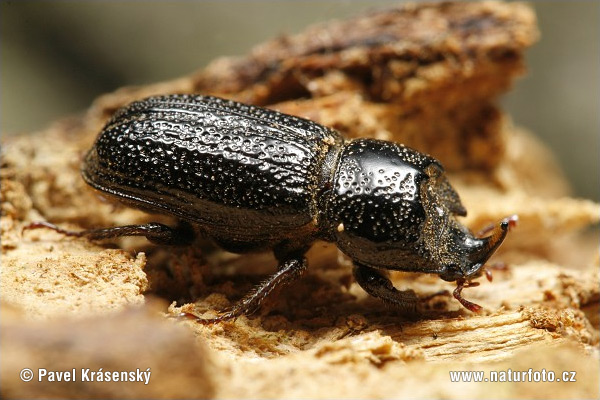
(378, 285)
(488, 273)
(496, 266)
(485, 230)
(460, 285)
(288, 272)
(157, 233)
(436, 294)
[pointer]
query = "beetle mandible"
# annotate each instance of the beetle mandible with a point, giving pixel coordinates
(253, 179)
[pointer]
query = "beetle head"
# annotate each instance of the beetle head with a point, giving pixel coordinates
(459, 254)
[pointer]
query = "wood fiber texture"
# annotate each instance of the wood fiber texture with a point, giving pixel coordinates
(427, 75)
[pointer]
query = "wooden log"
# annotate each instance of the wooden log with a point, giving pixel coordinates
(323, 337)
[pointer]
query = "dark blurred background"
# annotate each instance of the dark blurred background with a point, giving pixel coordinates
(58, 56)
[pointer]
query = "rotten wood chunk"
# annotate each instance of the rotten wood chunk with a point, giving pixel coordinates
(394, 54)
(132, 354)
(468, 136)
(426, 75)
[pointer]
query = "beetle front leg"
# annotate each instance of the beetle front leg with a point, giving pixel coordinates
(378, 285)
(460, 285)
(183, 234)
(288, 272)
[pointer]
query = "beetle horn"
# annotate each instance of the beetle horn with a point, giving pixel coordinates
(492, 242)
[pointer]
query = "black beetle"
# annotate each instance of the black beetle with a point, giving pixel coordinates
(254, 179)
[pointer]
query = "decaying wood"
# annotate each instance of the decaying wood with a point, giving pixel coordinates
(179, 367)
(427, 75)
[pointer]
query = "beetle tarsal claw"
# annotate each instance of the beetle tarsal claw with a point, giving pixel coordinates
(48, 225)
(223, 316)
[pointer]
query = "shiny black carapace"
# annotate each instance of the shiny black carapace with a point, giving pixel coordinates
(253, 179)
